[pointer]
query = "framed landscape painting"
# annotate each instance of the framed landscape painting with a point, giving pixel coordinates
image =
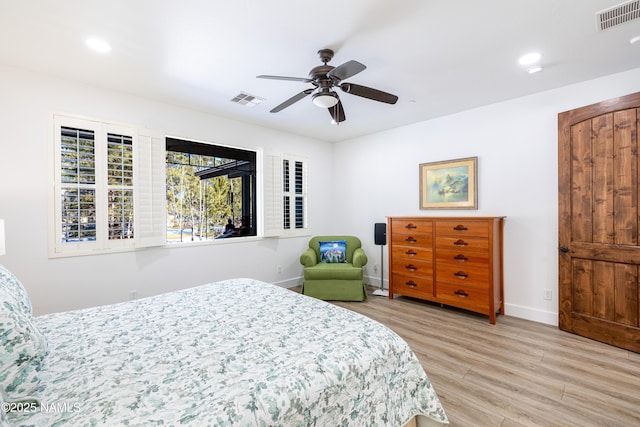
(449, 184)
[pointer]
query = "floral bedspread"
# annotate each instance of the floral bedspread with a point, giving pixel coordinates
(234, 353)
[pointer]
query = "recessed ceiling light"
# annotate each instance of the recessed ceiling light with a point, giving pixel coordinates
(534, 69)
(98, 45)
(529, 58)
(635, 40)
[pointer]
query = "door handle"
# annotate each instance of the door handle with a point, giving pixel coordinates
(564, 249)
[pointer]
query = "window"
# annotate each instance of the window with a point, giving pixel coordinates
(118, 187)
(294, 189)
(101, 170)
(78, 184)
(211, 191)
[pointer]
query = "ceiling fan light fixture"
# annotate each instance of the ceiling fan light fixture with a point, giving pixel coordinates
(325, 99)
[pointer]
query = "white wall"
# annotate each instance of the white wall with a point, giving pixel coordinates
(375, 176)
(26, 105)
(516, 146)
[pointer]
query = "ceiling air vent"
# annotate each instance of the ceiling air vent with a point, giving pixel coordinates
(616, 15)
(247, 100)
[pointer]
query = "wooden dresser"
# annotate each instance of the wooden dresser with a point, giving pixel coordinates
(455, 261)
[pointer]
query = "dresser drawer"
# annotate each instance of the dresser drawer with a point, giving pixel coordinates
(412, 252)
(412, 267)
(462, 258)
(462, 227)
(463, 243)
(411, 285)
(411, 226)
(463, 296)
(463, 274)
(414, 239)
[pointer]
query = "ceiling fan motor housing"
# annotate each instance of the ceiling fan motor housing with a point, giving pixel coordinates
(319, 73)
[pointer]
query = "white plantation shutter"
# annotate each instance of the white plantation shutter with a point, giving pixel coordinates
(150, 190)
(72, 229)
(273, 194)
(285, 195)
(109, 187)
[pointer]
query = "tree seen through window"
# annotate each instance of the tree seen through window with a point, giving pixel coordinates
(210, 191)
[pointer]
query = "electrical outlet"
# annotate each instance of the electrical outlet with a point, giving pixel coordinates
(133, 295)
(279, 269)
(548, 294)
(375, 268)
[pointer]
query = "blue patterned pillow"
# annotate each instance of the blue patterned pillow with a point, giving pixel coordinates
(22, 350)
(12, 285)
(333, 252)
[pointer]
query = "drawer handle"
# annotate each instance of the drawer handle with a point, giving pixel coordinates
(461, 258)
(461, 293)
(460, 242)
(411, 252)
(410, 239)
(411, 283)
(411, 267)
(410, 226)
(460, 227)
(461, 275)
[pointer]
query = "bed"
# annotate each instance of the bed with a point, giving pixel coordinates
(238, 352)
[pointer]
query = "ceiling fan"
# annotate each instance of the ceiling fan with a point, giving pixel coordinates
(326, 77)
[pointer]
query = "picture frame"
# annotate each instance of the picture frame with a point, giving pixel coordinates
(449, 184)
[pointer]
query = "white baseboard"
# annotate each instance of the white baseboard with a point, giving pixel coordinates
(375, 282)
(289, 283)
(533, 314)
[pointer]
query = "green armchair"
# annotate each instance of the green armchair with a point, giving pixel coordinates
(341, 281)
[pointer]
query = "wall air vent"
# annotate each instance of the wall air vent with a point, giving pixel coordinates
(616, 15)
(248, 100)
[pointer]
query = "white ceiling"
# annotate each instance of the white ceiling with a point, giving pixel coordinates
(438, 56)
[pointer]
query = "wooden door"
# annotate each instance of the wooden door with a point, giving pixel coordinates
(599, 214)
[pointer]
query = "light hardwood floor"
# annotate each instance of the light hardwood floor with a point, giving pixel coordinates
(516, 372)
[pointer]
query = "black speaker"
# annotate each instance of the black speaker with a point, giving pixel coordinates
(380, 233)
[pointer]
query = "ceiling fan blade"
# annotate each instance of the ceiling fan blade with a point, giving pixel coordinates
(293, 79)
(369, 93)
(346, 70)
(337, 112)
(292, 100)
